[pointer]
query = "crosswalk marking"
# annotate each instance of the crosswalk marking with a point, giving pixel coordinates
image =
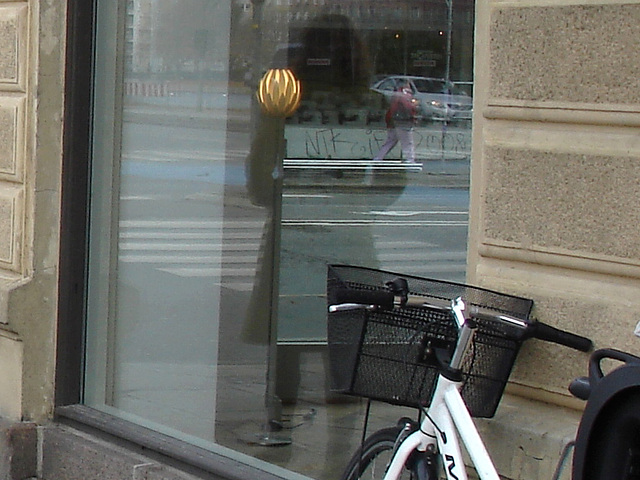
(222, 251)
(171, 247)
(183, 259)
(420, 256)
(198, 235)
(163, 156)
(228, 252)
(190, 223)
(376, 222)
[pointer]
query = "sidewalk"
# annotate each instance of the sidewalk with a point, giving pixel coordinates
(445, 169)
(444, 173)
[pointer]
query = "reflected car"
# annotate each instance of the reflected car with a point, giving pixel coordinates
(439, 100)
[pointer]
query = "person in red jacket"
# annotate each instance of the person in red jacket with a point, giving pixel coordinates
(400, 118)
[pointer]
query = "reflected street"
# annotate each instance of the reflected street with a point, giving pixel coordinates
(213, 217)
(175, 174)
(417, 228)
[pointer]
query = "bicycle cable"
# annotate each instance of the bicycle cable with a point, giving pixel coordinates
(426, 414)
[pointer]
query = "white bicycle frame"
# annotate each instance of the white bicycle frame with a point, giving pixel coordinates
(446, 420)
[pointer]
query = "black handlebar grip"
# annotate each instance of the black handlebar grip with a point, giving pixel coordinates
(561, 337)
(379, 298)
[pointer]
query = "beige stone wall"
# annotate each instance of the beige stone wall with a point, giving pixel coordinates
(555, 197)
(31, 93)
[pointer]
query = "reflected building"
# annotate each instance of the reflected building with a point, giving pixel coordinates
(408, 37)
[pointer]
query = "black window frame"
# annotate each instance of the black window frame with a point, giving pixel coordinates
(76, 167)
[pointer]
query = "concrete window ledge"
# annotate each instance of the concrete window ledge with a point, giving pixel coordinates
(71, 454)
(526, 438)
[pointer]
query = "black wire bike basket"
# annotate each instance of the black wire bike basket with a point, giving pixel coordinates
(389, 355)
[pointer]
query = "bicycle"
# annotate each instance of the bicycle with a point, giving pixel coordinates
(443, 347)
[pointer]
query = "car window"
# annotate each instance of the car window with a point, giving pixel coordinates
(427, 85)
(388, 84)
(455, 90)
(436, 85)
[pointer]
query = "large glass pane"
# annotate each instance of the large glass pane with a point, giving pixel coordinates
(162, 159)
(212, 223)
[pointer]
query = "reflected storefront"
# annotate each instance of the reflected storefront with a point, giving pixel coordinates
(212, 221)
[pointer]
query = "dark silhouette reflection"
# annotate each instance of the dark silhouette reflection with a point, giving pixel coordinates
(333, 58)
(264, 178)
(331, 61)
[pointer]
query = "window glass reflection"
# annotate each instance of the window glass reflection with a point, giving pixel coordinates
(213, 223)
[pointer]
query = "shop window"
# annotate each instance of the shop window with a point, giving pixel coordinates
(212, 223)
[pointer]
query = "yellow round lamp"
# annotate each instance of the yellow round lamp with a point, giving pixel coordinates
(279, 92)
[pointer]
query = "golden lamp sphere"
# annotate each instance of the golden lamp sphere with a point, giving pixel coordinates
(279, 92)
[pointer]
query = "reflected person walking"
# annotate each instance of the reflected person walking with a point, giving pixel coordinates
(400, 119)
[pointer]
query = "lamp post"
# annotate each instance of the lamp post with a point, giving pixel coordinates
(279, 95)
(447, 76)
(257, 58)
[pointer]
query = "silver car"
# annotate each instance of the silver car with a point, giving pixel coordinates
(439, 100)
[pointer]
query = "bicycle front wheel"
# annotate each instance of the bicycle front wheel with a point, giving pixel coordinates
(371, 460)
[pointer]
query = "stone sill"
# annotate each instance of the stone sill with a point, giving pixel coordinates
(526, 439)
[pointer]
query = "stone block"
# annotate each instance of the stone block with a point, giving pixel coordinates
(13, 41)
(562, 201)
(11, 364)
(11, 212)
(566, 53)
(11, 138)
(18, 450)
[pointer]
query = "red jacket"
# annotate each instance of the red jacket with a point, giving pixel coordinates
(402, 111)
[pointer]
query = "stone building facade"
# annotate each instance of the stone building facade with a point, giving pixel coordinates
(553, 204)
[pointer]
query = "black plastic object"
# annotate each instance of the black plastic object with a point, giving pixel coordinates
(580, 388)
(608, 439)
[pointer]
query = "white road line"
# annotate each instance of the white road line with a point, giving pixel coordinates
(307, 195)
(201, 235)
(403, 244)
(186, 223)
(211, 272)
(374, 223)
(162, 156)
(186, 247)
(421, 256)
(432, 269)
(185, 259)
(409, 213)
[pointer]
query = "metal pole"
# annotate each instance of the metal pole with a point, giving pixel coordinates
(449, 29)
(256, 64)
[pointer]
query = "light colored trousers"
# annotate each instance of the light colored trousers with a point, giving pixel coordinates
(404, 135)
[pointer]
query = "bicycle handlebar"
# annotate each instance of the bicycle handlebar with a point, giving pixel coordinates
(541, 331)
(379, 298)
(388, 300)
(548, 333)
